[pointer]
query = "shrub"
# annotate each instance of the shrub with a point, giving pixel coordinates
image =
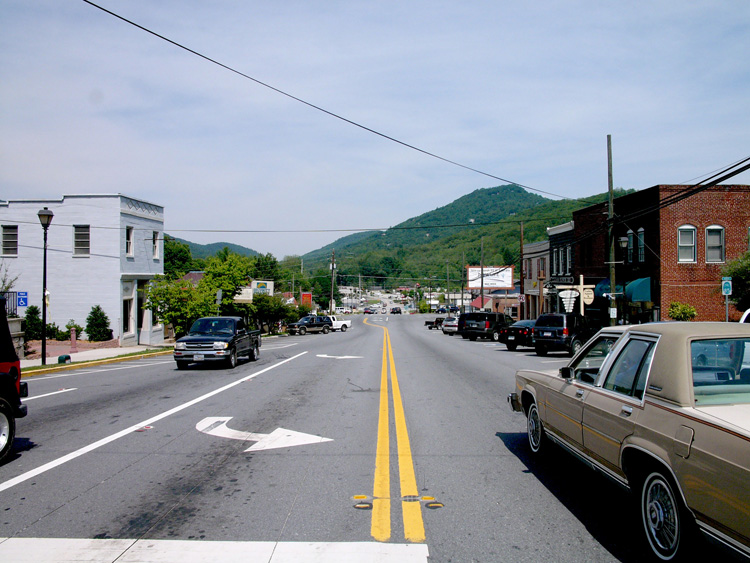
(97, 325)
(681, 311)
(33, 323)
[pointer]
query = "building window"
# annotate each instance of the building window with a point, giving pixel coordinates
(155, 244)
(630, 246)
(568, 258)
(542, 267)
(129, 241)
(81, 240)
(641, 245)
(686, 244)
(715, 244)
(10, 240)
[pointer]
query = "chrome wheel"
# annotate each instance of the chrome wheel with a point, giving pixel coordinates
(254, 353)
(7, 429)
(534, 429)
(232, 359)
(660, 512)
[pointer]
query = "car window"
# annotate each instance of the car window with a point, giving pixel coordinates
(721, 371)
(629, 372)
(551, 320)
(587, 366)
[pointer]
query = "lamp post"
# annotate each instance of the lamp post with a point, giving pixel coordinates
(45, 218)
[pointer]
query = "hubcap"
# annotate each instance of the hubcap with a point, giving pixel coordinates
(661, 517)
(4, 430)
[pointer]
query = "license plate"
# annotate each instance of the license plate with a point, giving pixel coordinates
(511, 338)
(198, 358)
(546, 334)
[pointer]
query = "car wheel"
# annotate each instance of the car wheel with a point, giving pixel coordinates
(512, 347)
(302, 331)
(343, 328)
(182, 365)
(325, 330)
(535, 430)
(7, 429)
(575, 346)
(541, 350)
(232, 359)
(663, 516)
(254, 353)
(495, 336)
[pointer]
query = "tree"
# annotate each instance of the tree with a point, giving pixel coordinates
(97, 325)
(179, 302)
(177, 258)
(739, 271)
(266, 267)
(268, 310)
(33, 323)
(6, 281)
(229, 272)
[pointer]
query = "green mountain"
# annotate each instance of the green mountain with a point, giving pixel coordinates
(206, 250)
(437, 244)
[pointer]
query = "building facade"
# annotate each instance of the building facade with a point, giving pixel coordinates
(536, 256)
(668, 248)
(101, 250)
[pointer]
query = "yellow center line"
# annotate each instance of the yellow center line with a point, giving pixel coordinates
(410, 506)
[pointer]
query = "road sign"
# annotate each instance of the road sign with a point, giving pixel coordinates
(22, 299)
(726, 287)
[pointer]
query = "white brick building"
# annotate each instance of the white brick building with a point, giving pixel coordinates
(101, 249)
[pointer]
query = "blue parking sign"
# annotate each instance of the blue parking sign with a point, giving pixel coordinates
(22, 299)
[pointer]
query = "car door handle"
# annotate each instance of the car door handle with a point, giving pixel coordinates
(626, 411)
(579, 393)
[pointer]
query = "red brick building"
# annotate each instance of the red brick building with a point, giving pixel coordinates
(667, 249)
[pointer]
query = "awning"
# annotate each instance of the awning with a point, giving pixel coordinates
(638, 290)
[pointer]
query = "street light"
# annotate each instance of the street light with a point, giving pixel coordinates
(45, 218)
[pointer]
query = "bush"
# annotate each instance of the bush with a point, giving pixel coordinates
(54, 332)
(33, 323)
(97, 325)
(681, 311)
(72, 324)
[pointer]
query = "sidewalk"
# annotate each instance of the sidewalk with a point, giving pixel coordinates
(57, 349)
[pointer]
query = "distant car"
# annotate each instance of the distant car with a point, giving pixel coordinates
(217, 339)
(486, 325)
(566, 332)
(441, 311)
(520, 333)
(368, 311)
(395, 310)
(384, 310)
(453, 309)
(450, 326)
(662, 409)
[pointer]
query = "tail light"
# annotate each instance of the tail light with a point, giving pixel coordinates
(487, 324)
(565, 331)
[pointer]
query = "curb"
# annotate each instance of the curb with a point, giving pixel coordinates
(65, 367)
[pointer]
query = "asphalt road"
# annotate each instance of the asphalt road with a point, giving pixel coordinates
(388, 442)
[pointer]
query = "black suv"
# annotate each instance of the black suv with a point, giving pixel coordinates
(485, 325)
(561, 332)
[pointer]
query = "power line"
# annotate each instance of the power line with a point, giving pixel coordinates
(316, 107)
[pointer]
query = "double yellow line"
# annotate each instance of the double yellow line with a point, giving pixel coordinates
(381, 506)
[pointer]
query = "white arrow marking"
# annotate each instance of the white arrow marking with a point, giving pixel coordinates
(279, 438)
(338, 357)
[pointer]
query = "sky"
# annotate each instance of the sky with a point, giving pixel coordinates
(523, 91)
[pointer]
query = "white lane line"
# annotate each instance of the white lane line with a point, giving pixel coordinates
(49, 394)
(88, 371)
(59, 550)
(104, 441)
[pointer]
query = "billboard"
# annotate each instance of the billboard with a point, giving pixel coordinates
(495, 277)
(306, 298)
(261, 287)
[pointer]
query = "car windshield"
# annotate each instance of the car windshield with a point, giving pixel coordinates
(721, 371)
(211, 327)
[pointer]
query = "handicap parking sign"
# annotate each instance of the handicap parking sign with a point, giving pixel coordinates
(22, 299)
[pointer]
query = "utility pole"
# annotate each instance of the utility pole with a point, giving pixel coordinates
(522, 298)
(448, 286)
(333, 277)
(463, 275)
(481, 275)
(610, 222)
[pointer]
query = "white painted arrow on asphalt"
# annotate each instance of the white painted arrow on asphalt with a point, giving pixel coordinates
(279, 438)
(338, 357)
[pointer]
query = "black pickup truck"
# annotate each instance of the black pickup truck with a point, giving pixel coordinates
(217, 339)
(311, 323)
(12, 389)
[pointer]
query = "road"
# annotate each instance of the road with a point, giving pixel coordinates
(388, 442)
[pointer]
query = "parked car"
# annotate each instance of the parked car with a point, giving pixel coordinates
(566, 332)
(12, 389)
(311, 323)
(663, 409)
(437, 322)
(450, 326)
(520, 333)
(441, 311)
(395, 310)
(368, 311)
(340, 323)
(217, 339)
(453, 309)
(486, 325)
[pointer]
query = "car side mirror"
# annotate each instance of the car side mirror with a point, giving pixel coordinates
(241, 331)
(566, 372)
